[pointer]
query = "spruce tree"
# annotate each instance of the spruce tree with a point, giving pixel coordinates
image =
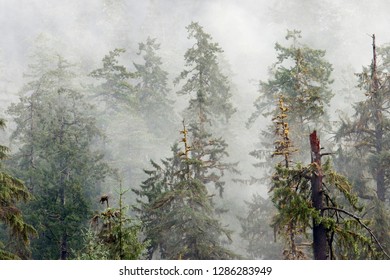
(206, 86)
(115, 88)
(133, 97)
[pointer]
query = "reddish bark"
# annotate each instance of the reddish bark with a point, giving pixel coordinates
(319, 231)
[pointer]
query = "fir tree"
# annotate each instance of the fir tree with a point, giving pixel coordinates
(260, 240)
(204, 83)
(115, 88)
(136, 102)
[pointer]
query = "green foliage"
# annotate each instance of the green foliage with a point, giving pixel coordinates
(257, 231)
(302, 75)
(94, 248)
(136, 102)
(364, 141)
(348, 235)
(178, 214)
(55, 133)
(207, 156)
(13, 191)
(210, 106)
(300, 79)
(115, 235)
(204, 82)
(152, 89)
(115, 88)
(159, 181)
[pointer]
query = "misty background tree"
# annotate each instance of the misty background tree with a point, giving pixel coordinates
(136, 98)
(55, 132)
(364, 141)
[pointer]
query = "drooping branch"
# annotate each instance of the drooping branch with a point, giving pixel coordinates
(358, 219)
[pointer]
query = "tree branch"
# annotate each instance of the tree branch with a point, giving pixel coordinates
(358, 219)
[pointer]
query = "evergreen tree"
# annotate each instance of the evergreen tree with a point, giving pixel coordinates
(114, 234)
(159, 181)
(302, 75)
(115, 88)
(55, 132)
(367, 132)
(152, 90)
(260, 240)
(179, 215)
(316, 197)
(12, 191)
(204, 83)
(209, 107)
(136, 102)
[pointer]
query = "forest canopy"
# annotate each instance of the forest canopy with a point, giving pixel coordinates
(194, 130)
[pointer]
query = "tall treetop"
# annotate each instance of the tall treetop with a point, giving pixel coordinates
(204, 81)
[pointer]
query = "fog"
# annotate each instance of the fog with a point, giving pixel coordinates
(247, 30)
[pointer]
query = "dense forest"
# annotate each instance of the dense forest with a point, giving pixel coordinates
(201, 130)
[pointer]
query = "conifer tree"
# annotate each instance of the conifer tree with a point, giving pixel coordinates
(115, 88)
(259, 238)
(302, 75)
(209, 107)
(55, 131)
(179, 215)
(152, 89)
(367, 132)
(137, 102)
(316, 197)
(13, 191)
(115, 233)
(208, 89)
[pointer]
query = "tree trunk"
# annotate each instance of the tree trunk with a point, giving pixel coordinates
(319, 231)
(64, 246)
(379, 129)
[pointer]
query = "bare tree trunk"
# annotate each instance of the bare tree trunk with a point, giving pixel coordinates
(319, 231)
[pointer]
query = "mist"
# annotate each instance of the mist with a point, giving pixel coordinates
(83, 32)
